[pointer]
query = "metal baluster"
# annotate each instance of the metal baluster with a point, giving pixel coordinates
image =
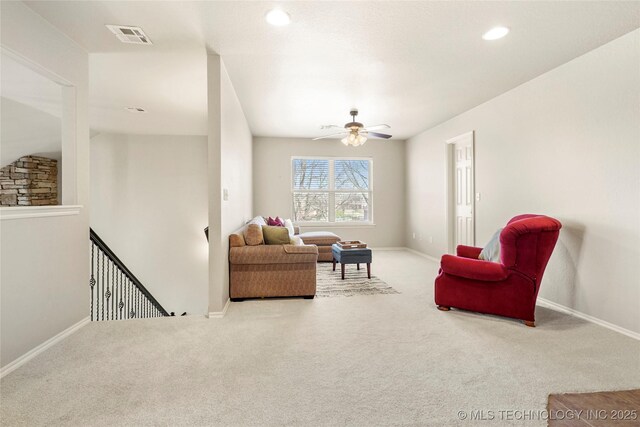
(102, 293)
(107, 294)
(121, 304)
(92, 281)
(115, 295)
(116, 299)
(113, 288)
(133, 301)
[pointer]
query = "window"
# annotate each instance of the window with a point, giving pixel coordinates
(329, 190)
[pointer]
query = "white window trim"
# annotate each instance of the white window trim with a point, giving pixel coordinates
(331, 222)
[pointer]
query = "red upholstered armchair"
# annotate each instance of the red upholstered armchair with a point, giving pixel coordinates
(508, 288)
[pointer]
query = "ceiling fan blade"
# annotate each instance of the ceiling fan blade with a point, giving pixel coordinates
(377, 127)
(379, 135)
(331, 135)
(331, 127)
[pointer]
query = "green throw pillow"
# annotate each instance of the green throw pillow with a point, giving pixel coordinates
(275, 235)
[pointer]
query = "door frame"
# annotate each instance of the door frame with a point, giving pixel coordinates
(450, 187)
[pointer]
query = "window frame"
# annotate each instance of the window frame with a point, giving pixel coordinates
(331, 220)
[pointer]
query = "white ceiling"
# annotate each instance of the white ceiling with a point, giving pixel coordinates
(409, 64)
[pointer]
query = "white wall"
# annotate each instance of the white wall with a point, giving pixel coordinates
(566, 144)
(149, 205)
(272, 184)
(230, 146)
(45, 260)
(25, 130)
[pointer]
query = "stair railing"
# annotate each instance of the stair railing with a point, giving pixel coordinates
(115, 292)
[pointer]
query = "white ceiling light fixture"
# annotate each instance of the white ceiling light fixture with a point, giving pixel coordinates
(278, 18)
(496, 33)
(354, 139)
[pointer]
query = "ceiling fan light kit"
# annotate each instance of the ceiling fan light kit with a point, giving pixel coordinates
(354, 133)
(354, 139)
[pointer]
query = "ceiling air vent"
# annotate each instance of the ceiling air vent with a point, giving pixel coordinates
(126, 34)
(135, 109)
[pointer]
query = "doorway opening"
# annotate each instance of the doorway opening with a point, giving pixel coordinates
(461, 198)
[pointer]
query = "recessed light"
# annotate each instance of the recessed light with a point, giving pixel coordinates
(495, 33)
(278, 17)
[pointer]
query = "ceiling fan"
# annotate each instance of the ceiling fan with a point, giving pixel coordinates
(355, 133)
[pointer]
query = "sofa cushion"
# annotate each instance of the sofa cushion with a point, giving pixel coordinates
(253, 235)
(321, 238)
(296, 241)
(289, 226)
(491, 252)
(275, 235)
(236, 240)
(258, 220)
(275, 222)
(273, 254)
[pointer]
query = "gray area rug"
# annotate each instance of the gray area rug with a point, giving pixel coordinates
(330, 284)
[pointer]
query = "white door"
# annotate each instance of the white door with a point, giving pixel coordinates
(463, 188)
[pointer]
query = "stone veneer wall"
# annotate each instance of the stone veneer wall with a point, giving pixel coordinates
(29, 181)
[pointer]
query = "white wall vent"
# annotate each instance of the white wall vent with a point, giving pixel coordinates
(126, 34)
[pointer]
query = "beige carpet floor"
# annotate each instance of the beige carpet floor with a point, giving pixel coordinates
(362, 361)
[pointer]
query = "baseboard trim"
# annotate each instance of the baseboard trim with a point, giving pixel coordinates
(389, 248)
(429, 257)
(12, 366)
(220, 314)
(563, 309)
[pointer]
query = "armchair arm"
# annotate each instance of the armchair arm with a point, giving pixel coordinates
(474, 269)
(468, 251)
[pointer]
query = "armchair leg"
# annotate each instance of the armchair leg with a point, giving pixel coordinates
(443, 308)
(530, 323)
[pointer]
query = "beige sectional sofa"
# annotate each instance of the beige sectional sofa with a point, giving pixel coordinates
(270, 270)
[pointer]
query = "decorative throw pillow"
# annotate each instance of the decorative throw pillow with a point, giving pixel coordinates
(491, 252)
(236, 241)
(274, 235)
(296, 240)
(289, 226)
(253, 235)
(277, 222)
(258, 220)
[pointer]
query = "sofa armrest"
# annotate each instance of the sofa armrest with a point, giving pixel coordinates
(300, 249)
(474, 269)
(273, 254)
(468, 251)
